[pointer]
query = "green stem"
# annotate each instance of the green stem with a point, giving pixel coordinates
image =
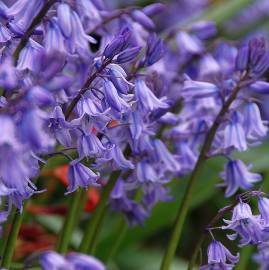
(6, 230)
(196, 251)
(70, 221)
(93, 226)
(11, 241)
(122, 229)
(185, 204)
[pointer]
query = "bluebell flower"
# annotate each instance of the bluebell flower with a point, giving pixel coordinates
(146, 100)
(154, 194)
(128, 55)
(115, 46)
(90, 106)
(196, 89)
(89, 145)
(256, 49)
(136, 125)
(204, 29)
(90, 12)
(65, 19)
(165, 157)
(54, 40)
(226, 55)
(40, 96)
(84, 262)
(189, 43)
(262, 66)
(153, 9)
(119, 197)
(48, 66)
(242, 58)
(15, 173)
(50, 260)
(5, 34)
(136, 214)
(219, 256)
(3, 10)
(236, 175)
(263, 204)
(146, 173)
(118, 190)
(28, 56)
(59, 127)
(113, 99)
(258, 57)
(234, 134)
(80, 176)
(118, 157)
(143, 19)
(187, 156)
(260, 87)
(8, 75)
(246, 225)
(22, 13)
(208, 66)
(263, 255)
(169, 119)
(79, 41)
(120, 84)
(253, 125)
(118, 78)
(114, 157)
(33, 130)
(154, 50)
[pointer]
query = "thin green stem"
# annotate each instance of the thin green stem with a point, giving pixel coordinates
(11, 241)
(6, 230)
(122, 229)
(90, 236)
(196, 251)
(185, 204)
(70, 221)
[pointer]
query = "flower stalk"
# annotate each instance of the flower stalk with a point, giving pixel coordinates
(185, 205)
(93, 225)
(70, 221)
(11, 240)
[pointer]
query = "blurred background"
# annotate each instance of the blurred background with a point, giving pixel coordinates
(141, 247)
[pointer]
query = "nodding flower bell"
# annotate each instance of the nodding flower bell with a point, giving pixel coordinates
(236, 175)
(80, 176)
(219, 257)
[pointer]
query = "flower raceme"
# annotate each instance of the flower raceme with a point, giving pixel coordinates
(99, 87)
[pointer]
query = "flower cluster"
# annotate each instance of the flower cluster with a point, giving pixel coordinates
(102, 89)
(250, 228)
